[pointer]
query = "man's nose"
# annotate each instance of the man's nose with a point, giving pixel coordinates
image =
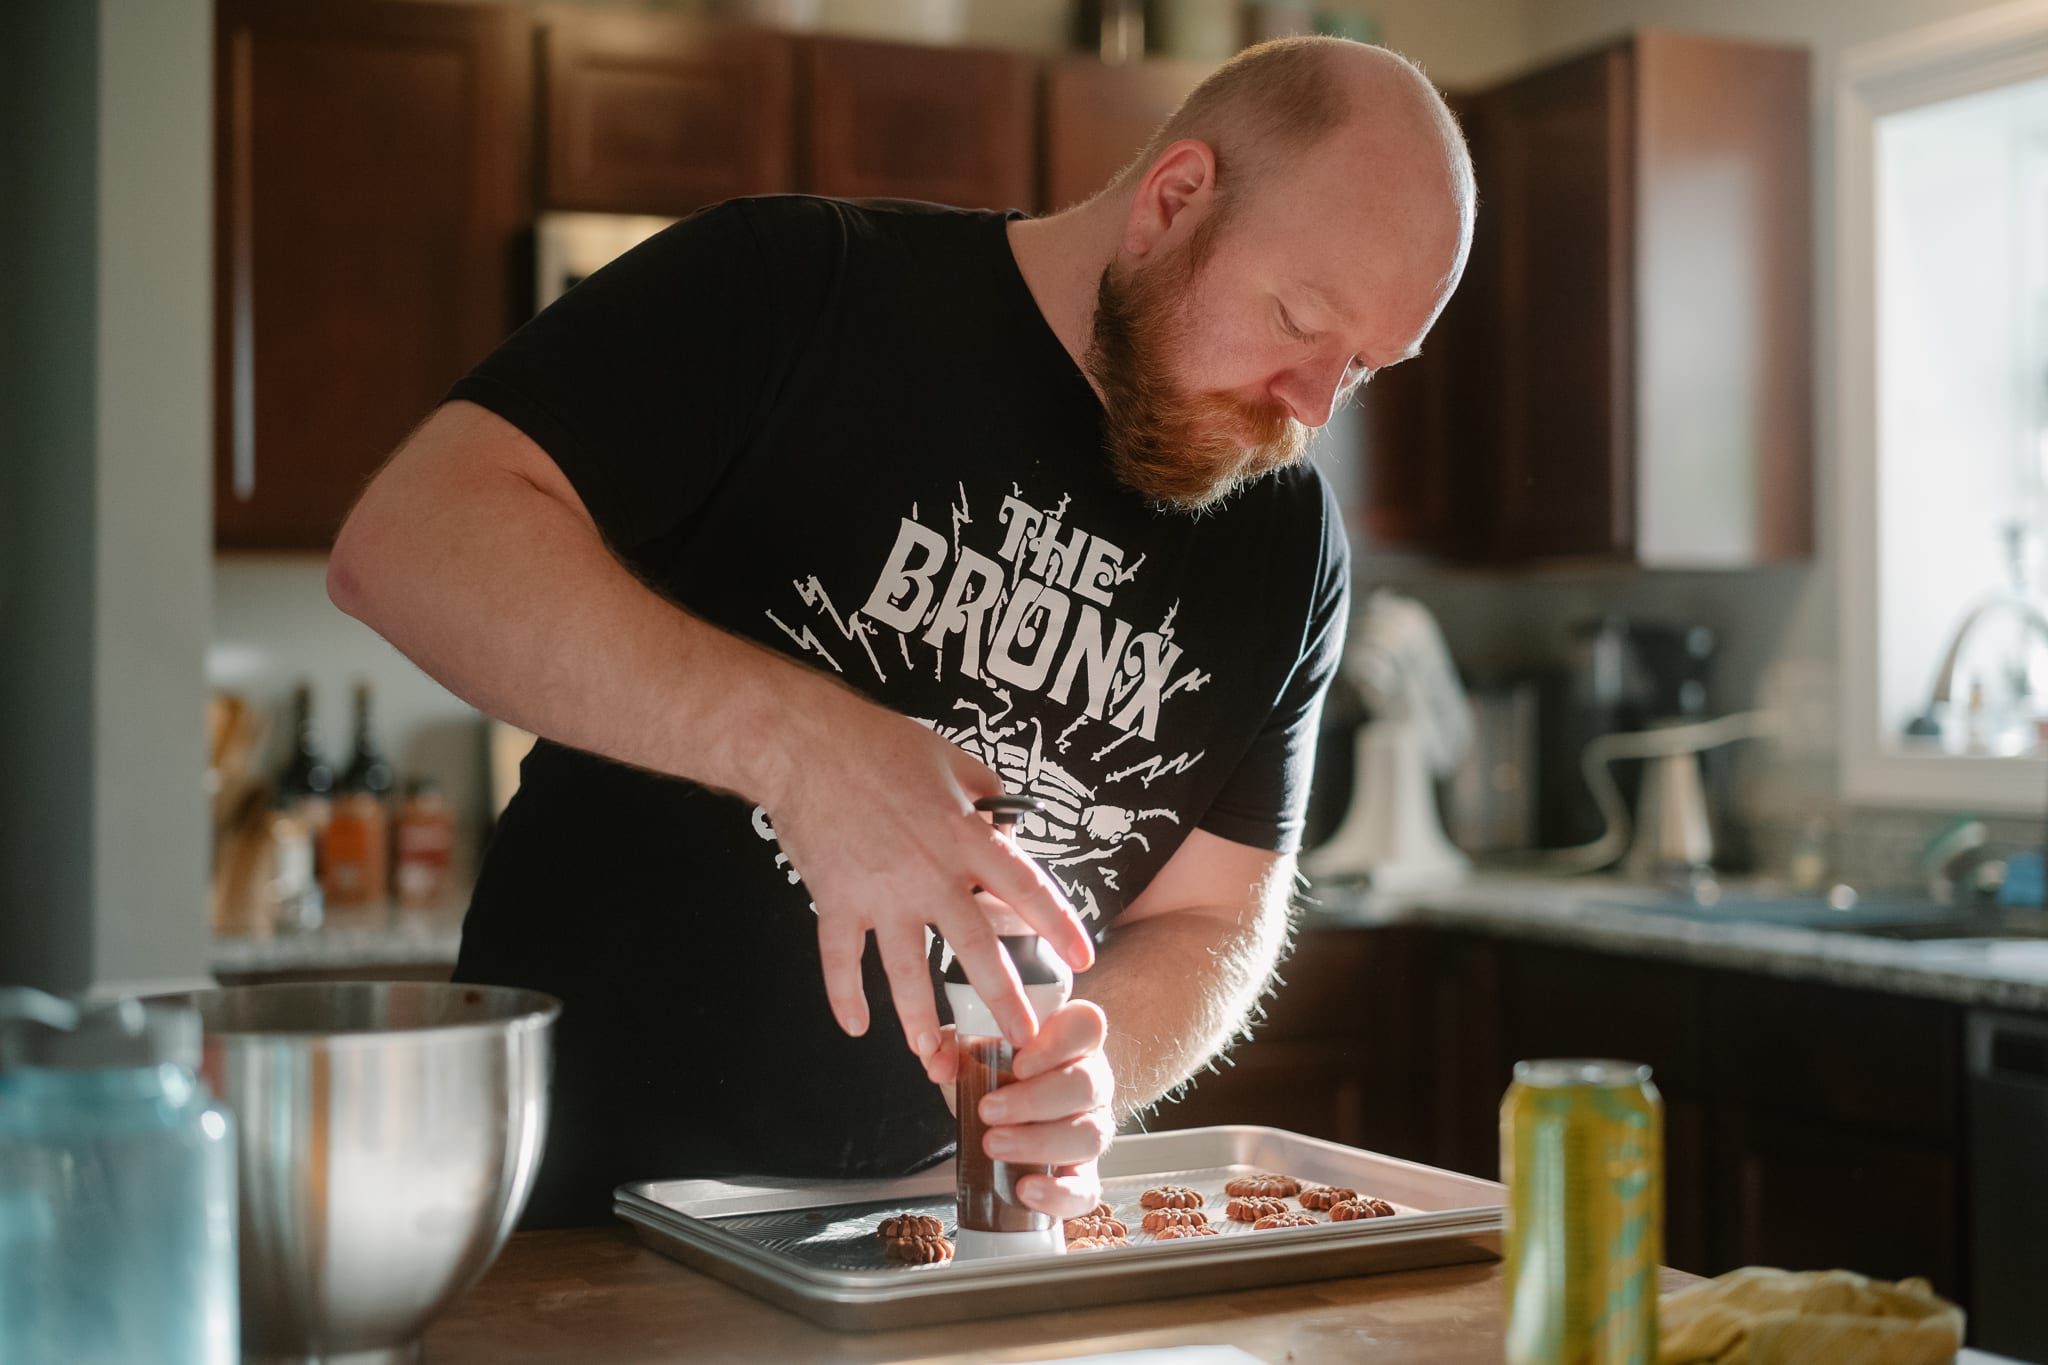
(1309, 391)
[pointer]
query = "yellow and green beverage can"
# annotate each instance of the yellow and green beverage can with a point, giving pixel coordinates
(1582, 1155)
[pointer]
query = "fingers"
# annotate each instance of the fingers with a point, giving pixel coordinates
(1078, 1137)
(841, 940)
(1068, 1194)
(1078, 1087)
(942, 1064)
(1013, 877)
(905, 958)
(989, 968)
(1069, 1033)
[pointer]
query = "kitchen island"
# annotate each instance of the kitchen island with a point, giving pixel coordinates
(597, 1297)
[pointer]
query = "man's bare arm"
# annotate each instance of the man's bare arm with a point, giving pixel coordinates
(471, 521)
(1185, 964)
(471, 552)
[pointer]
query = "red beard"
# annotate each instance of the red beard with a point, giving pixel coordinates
(1183, 450)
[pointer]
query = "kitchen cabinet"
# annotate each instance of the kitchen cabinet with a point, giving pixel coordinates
(1793, 1112)
(1561, 1003)
(1420, 494)
(1872, 1062)
(664, 114)
(660, 114)
(1631, 377)
(889, 120)
(1313, 1064)
(1806, 1195)
(1098, 118)
(1386, 1039)
(1804, 1125)
(1838, 1134)
(1458, 985)
(373, 190)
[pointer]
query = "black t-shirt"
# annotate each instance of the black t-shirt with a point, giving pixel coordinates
(845, 431)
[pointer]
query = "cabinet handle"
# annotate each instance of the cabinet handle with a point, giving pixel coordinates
(242, 249)
(2019, 1057)
(2004, 1048)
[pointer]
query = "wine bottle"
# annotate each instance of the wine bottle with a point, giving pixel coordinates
(367, 769)
(306, 776)
(356, 853)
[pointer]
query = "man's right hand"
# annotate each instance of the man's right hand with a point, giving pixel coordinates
(876, 813)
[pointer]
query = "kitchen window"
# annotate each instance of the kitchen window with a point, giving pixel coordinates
(1942, 338)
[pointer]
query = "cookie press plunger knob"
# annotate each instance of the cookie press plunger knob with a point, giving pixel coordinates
(991, 1221)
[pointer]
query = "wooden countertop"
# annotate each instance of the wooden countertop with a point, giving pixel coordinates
(597, 1297)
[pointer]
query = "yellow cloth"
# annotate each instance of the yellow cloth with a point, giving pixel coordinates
(1759, 1316)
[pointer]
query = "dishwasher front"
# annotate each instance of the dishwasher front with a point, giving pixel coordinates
(2008, 1125)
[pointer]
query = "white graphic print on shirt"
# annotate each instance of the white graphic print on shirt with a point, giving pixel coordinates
(1060, 695)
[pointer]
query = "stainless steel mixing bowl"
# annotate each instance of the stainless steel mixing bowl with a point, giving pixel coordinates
(388, 1138)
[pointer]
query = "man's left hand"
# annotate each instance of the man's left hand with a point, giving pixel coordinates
(1056, 1113)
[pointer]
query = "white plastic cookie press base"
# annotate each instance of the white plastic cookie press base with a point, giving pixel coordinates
(969, 1245)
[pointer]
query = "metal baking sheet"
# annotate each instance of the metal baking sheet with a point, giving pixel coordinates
(811, 1246)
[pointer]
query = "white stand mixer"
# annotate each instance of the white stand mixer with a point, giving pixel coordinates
(1420, 728)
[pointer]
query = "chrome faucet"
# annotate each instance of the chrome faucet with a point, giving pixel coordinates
(1933, 721)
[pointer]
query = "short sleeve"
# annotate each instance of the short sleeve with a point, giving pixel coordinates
(1264, 804)
(646, 380)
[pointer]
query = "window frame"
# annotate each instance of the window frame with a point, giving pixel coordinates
(2006, 45)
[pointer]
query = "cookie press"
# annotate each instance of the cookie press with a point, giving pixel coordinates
(992, 1222)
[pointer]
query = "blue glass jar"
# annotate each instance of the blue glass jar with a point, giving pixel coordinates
(117, 1188)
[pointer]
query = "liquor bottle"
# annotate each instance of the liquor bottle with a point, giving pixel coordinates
(426, 846)
(306, 776)
(367, 770)
(355, 862)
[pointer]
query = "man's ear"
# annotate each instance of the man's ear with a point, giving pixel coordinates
(1179, 189)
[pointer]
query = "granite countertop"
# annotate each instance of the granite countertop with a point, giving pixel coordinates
(1598, 913)
(1606, 914)
(380, 937)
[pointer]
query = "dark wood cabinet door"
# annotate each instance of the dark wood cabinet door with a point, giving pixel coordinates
(646, 113)
(1310, 1086)
(1427, 455)
(1724, 302)
(1558, 185)
(1811, 1196)
(1412, 488)
(885, 120)
(373, 195)
(1461, 997)
(1561, 1003)
(1333, 1056)
(1861, 1059)
(1097, 118)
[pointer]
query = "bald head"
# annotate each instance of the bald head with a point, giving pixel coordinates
(1280, 102)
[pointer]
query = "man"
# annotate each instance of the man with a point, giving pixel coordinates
(807, 524)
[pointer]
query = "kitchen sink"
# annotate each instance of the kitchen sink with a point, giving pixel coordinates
(1903, 918)
(1983, 924)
